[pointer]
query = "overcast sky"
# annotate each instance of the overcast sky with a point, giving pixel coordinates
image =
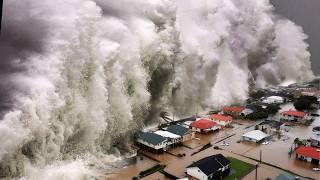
(307, 14)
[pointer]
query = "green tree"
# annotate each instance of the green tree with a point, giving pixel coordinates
(305, 103)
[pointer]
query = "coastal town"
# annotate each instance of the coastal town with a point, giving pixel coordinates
(275, 134)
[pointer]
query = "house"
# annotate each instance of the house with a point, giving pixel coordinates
(222, 120)
(315, 137)
(234, 111)
(294, 116)
(309, 154)
(152, 141)
(271, 126)
(315, 140)
(204, 126)
(172, 138)
(254, 136)
(311, 92)
(246, 112)
(211, 167)
(273, 100)
(184, 132)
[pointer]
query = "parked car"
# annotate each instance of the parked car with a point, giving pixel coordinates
(266, 143)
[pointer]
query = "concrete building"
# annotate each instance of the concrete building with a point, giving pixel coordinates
(211, 167)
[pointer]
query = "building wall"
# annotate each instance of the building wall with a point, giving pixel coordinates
(291, 118)
(222, 123)
(248, 139)
(189, 136)
(315, 143)
(158, 146)
(197, 173)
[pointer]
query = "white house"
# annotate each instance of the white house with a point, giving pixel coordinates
(254, 136)
(273, 99)
(315, 137)
(153, 141)
(172, 138)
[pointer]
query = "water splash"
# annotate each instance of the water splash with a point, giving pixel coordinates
(84, 73)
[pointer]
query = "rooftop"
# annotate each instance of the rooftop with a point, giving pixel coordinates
(176, 129)
(152, 138)
(203, 124)
(294, 113)
(211, 164)
(167, 134)
(256, 134)
(221, 117)
(272, 123)
(309, 151)
(285, 176)
(236, 109)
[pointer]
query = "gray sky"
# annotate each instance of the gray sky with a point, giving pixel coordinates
(307, 14)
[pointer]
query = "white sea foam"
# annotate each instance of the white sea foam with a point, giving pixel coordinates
(95, 69)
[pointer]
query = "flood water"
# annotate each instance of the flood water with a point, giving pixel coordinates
(275, 153)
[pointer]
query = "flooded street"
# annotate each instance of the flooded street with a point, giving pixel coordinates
(275, 153)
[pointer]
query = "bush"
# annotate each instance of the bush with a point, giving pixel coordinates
(305, 103)
(272, 108)
(257, 115)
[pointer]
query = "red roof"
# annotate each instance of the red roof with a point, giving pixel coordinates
(236, 109)
(203, 124)
(308, 152)
(220, 117)
(294, 113)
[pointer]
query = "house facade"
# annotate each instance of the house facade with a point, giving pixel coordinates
(294, 116)
(309, 154)
(152, 141)
(171, 138)
(271, 126)
(315, 137)
(222, 120)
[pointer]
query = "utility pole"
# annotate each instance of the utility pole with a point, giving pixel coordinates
(257, 165)
(1, 11)
(260, 156)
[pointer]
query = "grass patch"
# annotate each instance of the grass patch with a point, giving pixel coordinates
(239, 169)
